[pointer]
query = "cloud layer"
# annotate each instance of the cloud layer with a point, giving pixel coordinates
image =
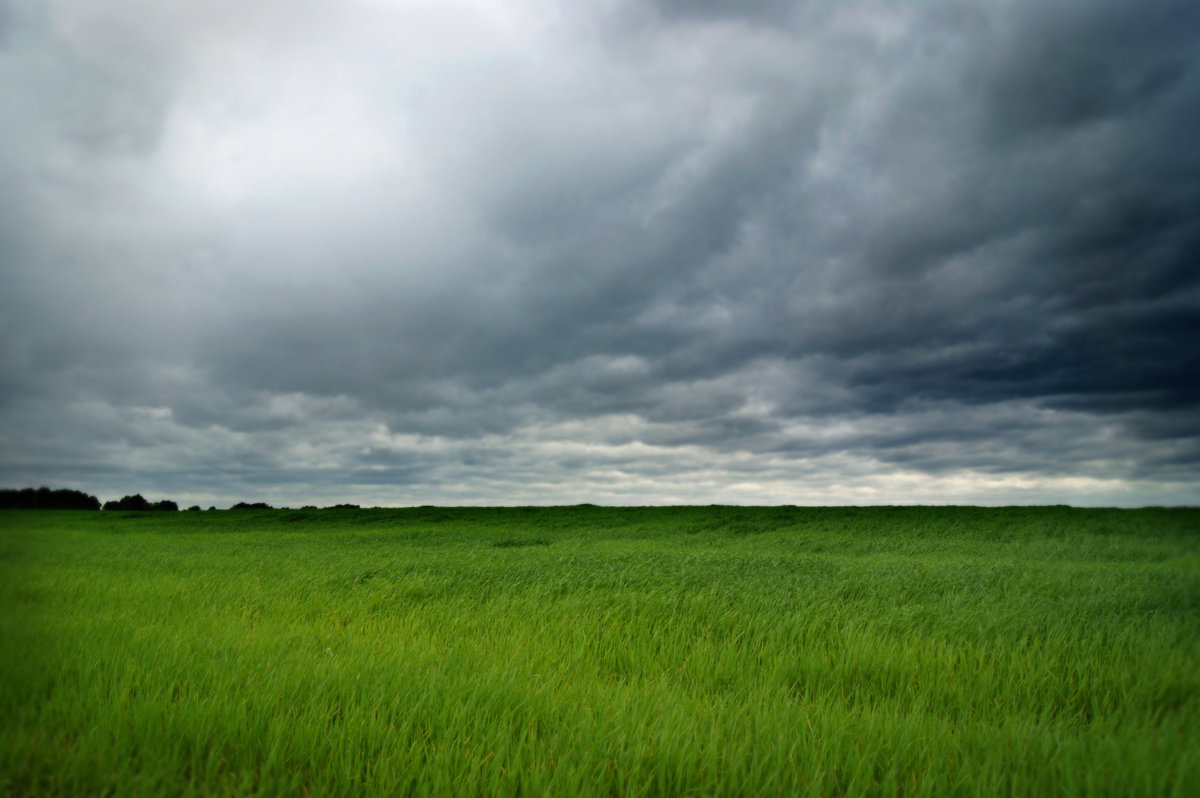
(638, 252)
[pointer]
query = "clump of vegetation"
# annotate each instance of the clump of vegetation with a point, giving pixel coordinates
(139, 503)
(649, 651)
(47, 499)
(251, 506)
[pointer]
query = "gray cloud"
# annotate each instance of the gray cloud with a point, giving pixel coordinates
(764, 252)
(772, 11)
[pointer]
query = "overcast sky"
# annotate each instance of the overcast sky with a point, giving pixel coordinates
(622, 252)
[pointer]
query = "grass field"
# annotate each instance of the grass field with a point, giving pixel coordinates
(598, 651)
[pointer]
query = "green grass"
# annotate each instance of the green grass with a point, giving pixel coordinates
(597, 651)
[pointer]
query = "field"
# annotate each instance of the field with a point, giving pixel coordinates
(601, 651)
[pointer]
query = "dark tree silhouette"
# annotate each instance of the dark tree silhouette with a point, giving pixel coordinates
(138, 502)
(47, 499)
(134, 502)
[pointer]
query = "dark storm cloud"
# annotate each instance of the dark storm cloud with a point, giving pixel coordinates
(1051, 67)
(663, 252)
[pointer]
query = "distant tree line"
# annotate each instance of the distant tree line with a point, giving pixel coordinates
(137, 502)
(47, 499)
(62, 499)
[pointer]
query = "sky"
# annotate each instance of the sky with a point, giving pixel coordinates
(621, 252)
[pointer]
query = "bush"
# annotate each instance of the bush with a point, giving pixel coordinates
(251, 506)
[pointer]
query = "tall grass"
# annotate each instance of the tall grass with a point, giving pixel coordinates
(651, 651)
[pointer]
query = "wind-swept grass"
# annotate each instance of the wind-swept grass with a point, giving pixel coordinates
(652, 651)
